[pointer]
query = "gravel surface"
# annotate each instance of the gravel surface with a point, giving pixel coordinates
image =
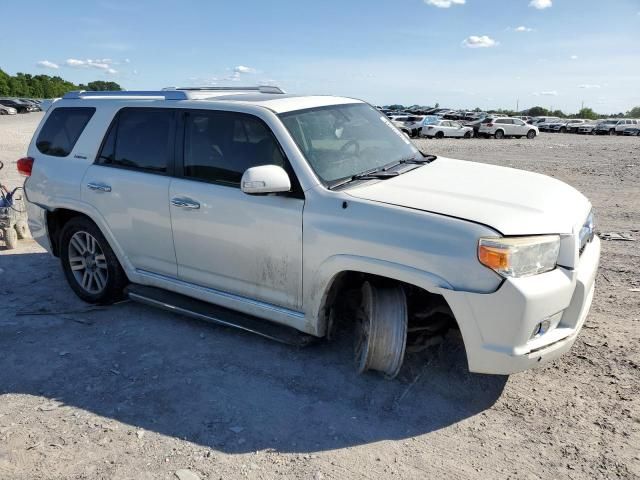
(131, 392)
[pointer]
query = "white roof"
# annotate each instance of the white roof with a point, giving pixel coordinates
(287, 103)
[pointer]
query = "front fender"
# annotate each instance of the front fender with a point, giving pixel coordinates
(318, 289)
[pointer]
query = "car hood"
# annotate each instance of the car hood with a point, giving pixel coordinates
(513, 202)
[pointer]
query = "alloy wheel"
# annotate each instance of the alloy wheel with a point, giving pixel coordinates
(88, 262)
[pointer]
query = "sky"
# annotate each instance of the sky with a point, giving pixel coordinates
(458, 53)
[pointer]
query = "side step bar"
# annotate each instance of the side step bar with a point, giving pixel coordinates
(181, 304)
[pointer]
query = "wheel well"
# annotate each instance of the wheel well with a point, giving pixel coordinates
(429, 313)
(56, 220)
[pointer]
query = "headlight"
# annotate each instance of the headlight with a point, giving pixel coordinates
(519, 256)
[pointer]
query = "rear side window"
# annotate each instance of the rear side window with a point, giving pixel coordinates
(140, 139)
(62, 130)
(220, 146)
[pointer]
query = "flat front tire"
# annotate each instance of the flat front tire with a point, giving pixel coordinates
(90, 266)
(381, 332)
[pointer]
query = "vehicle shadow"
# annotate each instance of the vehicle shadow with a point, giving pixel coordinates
(214, 386)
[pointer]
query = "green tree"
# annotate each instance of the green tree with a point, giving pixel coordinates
(100, 86)
(587, 113)
(634, 112)
(538, 112)
(44, 86)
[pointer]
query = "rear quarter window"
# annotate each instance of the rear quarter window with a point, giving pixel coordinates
(62, 129)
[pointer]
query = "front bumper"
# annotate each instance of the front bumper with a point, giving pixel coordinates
(497, 328)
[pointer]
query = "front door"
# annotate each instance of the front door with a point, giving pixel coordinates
(225, 239)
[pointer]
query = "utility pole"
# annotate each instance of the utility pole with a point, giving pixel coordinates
(517, 105)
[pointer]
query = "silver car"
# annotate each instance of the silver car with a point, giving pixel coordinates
(6, 110)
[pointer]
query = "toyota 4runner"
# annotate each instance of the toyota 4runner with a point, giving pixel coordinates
(285, 215)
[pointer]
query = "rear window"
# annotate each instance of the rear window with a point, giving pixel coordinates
(139, 139)
(62, 130)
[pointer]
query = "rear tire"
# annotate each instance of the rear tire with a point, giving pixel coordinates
(90, 266)
(563, 130)
(499, 134)
(439, 135)
(381, 333)
(531, 134)
(467, 135)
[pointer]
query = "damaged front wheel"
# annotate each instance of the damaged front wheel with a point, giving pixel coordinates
(381, 332)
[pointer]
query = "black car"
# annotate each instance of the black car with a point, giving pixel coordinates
(34, 103)
(21, 107)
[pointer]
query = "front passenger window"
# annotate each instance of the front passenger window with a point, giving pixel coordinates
(220, 146)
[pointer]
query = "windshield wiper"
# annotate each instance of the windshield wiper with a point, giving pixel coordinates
(384, 171)
(374, 174)
(418, 161)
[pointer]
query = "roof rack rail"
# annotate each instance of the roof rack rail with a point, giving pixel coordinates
(165, 94)
(257, 88)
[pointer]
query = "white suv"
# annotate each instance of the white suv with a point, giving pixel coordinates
(500, 127)
(286, 215)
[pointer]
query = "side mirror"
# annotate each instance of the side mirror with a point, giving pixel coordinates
(265, 179)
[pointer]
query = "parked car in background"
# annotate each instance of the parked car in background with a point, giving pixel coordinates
(34, 103)
(19, 105)
(588, 128)
(409, 124)
(446, 128)
(524, 118)
(562, 126)
(634, 131)
(500, 127)
(614, 126)
(5, 110)
(628, 123)
(537, 121)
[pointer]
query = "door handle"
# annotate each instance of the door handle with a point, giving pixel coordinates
(185, 203)
(100, 187)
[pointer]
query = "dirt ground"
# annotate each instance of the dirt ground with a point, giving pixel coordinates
(129, 392)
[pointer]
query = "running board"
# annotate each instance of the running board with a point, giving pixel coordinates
(181, 304)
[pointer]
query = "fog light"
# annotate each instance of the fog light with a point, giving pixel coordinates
(541, 328)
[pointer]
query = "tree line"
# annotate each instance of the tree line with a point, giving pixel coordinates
(26, 85)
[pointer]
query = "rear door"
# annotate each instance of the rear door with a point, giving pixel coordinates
(129, 186)
(226, 240)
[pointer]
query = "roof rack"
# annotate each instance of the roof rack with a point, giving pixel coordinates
(170, 93)
(257, 88)
(164, 94)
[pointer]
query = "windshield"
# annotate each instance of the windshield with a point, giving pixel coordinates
(341, 141)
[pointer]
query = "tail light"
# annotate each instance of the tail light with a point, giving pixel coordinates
(25, 165)
(489, 124)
